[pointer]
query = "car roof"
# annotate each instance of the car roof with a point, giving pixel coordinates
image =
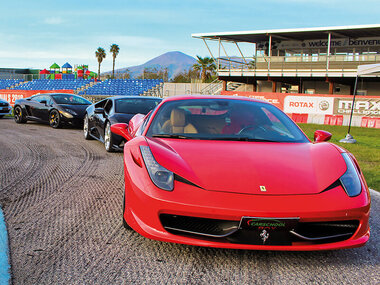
(49, 94)
(132, 97)
(199, 96)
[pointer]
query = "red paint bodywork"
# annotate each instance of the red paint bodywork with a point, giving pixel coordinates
(229, 175)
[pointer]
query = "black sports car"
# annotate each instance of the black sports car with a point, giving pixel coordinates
(119, 109)
(55, 109)
(5, 108)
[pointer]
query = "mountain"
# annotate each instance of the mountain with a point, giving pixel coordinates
(174, 61)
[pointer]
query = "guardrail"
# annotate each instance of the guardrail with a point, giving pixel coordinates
(322, 64)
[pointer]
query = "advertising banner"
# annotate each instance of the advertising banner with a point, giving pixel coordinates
(12, 95)
(323, 43)
(362, 107)
(308, 105)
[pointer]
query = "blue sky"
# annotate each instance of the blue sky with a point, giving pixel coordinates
(34, 34)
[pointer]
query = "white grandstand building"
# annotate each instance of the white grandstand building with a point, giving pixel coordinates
(304, 60)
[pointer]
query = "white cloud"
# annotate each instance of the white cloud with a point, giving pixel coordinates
(53, 21)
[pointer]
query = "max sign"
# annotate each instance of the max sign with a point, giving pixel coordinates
(362, 107)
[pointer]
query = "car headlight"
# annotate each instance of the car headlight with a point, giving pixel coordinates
(72, 112)
(350, 179)
(160, 176)
(68, 113)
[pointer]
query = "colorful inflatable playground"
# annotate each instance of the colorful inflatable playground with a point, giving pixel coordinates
(67, 72)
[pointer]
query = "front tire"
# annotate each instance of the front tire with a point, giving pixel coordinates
(55, 119)
(19, 115)
(86, 131)
(1, 116)
(108, 140)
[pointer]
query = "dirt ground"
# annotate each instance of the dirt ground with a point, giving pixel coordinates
(62, 200)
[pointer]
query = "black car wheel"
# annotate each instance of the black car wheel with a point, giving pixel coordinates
(108, 141)
(19, 115)
(1, 116)
(86, 131)
(55, 119)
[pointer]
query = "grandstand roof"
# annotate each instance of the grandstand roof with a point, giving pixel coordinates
(299, 34)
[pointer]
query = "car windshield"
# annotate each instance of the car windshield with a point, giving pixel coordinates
(70, 99)
(135, 106)
(224, 119)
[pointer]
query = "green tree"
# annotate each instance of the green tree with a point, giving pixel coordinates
(126, 74)
(206, 66)
(185, 76)
(114, 49)
(100, 54)
(154, 73)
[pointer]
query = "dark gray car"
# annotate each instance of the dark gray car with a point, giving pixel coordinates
(117, 109)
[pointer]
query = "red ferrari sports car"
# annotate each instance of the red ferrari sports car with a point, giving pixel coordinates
(235, 172)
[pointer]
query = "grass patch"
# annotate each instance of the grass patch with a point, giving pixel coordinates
(366, 150)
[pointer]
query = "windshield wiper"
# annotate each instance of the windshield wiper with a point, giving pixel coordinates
(171, 136)
(246, 139)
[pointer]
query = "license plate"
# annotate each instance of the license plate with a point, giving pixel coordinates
(267, 231)
(4, 109)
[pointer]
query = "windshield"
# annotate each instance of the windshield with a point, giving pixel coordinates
(135, 106)
(224, 119)
(70, 99)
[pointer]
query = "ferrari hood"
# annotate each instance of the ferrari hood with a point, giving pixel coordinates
(251, 167)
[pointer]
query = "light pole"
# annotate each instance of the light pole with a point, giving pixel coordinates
(349, 138)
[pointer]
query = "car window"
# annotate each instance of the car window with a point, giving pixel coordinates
(101, 103)
(108, 106)
(49, 101)
(135, 105)
(70, 99)
(36, 98)
(40, 98)
(224, 119)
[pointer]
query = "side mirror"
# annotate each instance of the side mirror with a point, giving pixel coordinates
(99, 111)
(43, 102)
(135, 123)
(121, 129)
(322, 136)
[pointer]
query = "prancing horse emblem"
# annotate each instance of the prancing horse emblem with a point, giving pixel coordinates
(263, 189)
(264, 236)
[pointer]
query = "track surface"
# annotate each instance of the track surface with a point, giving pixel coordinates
(62, 198)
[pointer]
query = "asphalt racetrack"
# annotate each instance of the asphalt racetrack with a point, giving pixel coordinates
(62, 200)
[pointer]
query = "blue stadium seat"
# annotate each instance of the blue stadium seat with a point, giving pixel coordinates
(7, 83)
(47, 84)
(127, 87)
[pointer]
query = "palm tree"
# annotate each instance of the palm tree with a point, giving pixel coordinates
(206, 66)
(100, 55)
(115, 51)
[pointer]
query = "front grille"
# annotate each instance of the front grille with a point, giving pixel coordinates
(322, 232)
(198, 226)
(229, 231)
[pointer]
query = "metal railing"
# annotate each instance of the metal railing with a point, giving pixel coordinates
(310, 63)
(212, 88)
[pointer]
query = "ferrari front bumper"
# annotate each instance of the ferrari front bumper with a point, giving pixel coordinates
(146, 205)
